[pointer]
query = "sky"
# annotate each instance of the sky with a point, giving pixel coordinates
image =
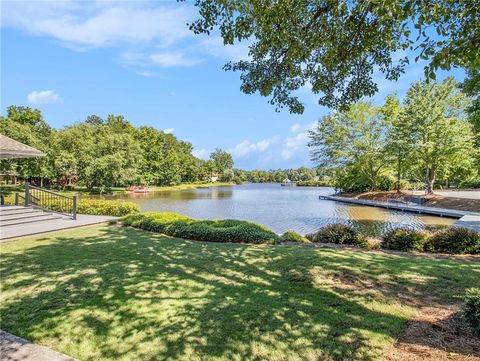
(71, 59)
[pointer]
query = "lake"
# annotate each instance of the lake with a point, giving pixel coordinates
(278, 208)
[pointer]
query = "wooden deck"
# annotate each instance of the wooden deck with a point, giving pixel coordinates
(12, 232)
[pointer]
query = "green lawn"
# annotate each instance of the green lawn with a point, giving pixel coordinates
(112, 293)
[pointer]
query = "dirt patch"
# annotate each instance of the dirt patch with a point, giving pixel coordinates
(435, 334)
(435, 200)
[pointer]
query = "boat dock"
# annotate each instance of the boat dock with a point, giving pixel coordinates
(465, 219)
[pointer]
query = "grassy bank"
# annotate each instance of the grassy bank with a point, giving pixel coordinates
(186, 186)
(116, 293)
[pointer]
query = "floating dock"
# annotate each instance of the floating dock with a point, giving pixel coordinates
(465, 219)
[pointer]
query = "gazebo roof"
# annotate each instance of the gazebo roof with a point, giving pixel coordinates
(11, 149)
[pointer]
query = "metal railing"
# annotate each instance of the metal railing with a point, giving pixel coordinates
(47, 200)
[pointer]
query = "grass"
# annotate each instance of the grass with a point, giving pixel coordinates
(113, 293)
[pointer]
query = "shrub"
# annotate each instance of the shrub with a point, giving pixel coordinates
(291, 236)
(106, 207)
(385, 183)
(455, 240)
(471, 310)
(9, 199)
(338, 233)
(176, 225)
(371, 243)
(435, 227)
(100, 207)
(404, 239)
(471, 183)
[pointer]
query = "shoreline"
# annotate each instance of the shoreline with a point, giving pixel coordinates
(465, 219)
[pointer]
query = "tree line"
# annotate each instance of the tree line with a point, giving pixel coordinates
(104, 153)
(430, 137)
(320, 174)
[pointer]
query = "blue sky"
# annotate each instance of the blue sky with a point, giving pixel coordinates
(71, 59)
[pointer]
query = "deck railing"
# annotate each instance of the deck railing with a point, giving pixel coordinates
(47, 200)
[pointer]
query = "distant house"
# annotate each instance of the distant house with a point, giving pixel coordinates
(214, 178)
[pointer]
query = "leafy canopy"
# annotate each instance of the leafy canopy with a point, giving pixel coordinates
(440, 139)
(335, 46)
(353, 140)
(426, 138)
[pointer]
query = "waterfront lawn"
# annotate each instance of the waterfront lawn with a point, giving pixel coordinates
(113, 293)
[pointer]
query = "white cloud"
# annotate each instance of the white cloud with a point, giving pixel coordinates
(246, 147)
(201, 153)
(293, 145)
(167, 60)
(43, 97)
(168, 130)
(295, 128)
(100, 24)
(146, 33)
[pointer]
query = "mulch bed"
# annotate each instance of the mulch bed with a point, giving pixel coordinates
(435, 334)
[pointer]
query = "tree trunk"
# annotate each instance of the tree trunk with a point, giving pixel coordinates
(430, 180)
(399, 171)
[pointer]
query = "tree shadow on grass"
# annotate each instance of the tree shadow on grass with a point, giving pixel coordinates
(124, 294)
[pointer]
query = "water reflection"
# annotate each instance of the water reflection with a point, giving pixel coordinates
(279, 208)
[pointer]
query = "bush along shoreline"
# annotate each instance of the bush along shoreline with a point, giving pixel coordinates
(224, 231)
(452, 240)
(92, 206)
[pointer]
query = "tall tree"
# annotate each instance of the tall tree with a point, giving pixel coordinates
(434, 124)
(27, 125)
(399, 139)
(169, 173)
(222, 160)
(334, 46)
(105, 154)
(471, 87)
(353, 139)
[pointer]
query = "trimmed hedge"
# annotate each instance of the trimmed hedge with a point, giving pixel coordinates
(291, 236)
(404, 239)
(176, 225)
(93, 206)
(339, 234)
(106, 207)
(455, 240)
(471, 310)
(103, 207)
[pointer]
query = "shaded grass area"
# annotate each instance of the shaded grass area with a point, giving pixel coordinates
(113, 293)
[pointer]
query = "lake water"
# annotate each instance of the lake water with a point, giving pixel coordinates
(279, 208)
